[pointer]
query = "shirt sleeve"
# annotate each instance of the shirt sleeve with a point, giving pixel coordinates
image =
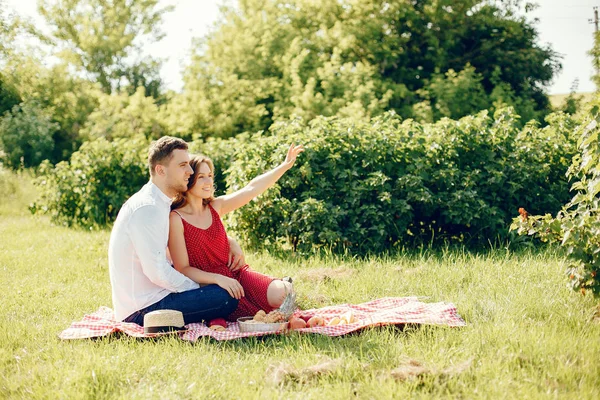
(147, 236)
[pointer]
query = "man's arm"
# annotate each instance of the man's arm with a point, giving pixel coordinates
(146, 234)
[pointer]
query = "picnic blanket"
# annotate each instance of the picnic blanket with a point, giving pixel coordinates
(379, 312)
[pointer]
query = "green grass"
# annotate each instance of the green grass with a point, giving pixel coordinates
(557, 100)
(528, 335)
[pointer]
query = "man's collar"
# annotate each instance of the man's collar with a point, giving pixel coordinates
(160, 193)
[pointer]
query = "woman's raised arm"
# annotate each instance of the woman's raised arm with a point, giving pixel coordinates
(233, 201)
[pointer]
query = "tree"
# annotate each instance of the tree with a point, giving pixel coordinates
(572, 103)
(66, 99)
(452, 95)
(122, 116)
(595, 53)
(271, 59)
(26, 135)
(97, 36)
(9, 96)
(6, 30)
(146, 74)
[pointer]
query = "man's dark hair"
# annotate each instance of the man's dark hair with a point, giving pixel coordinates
(161, 151)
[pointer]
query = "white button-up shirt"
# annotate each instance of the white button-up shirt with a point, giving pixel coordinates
(140, 273)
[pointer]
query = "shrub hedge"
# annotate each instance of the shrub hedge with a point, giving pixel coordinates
(373, 185)
(89, 190)
(362, 186)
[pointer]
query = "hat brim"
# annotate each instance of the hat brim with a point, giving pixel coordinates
(163, 330)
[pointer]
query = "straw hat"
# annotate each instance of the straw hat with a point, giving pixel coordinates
(163, 321)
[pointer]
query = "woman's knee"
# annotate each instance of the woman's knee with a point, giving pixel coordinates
(277, 291)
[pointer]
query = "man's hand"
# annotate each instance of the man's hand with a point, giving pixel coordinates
(236, 258)
(233, 287)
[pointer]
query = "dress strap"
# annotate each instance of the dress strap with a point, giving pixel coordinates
(182, 219)
(213, 211)
(180, 216)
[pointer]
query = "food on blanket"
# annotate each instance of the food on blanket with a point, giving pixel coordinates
(260, 316)
(297, 323)
(218, 324)
(275, 316)
(248, 324)
(348, 318)
(272, 317)
(305, 318)
(218, 328)
(315, 321)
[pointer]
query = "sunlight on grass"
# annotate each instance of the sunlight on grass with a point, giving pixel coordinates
(527, 334)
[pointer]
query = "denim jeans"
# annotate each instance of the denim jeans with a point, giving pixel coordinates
(205, 303)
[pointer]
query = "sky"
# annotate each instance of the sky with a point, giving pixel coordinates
(564, 24)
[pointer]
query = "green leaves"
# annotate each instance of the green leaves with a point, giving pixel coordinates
(367, 186)
(89, 190)
(361, 186)
(122, 116)
(26, 135)
(272, 60)
(96, 36)
(577, 225)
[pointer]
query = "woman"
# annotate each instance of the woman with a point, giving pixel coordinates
(198, 242)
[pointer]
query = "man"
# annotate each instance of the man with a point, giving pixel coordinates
(141, 275)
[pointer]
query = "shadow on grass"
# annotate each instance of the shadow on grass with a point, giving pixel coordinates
(321, 343)
(515, 245)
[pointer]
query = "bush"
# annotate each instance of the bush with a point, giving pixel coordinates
(26, 136)
(9, 96)
(365, 186)
(124, 116)
(373, 185)
(90, 189)
(577, 225)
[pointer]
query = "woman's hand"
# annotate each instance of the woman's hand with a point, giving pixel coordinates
(233, 201)
(292, 153)
(233, 287)
(236, 258)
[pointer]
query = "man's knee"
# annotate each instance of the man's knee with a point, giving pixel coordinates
(231, 305)
(220, 295)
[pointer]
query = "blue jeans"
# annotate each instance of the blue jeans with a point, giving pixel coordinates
(205, 303)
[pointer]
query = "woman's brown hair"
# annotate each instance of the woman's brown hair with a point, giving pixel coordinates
(195, 162)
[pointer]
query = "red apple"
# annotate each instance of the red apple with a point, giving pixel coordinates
(297, 323)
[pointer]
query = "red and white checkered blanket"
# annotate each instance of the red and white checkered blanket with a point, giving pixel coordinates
(384, 311)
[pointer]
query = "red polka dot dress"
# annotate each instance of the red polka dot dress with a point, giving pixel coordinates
(208, 250)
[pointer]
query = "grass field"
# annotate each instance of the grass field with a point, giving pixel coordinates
(557, 100)
(528, 335)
